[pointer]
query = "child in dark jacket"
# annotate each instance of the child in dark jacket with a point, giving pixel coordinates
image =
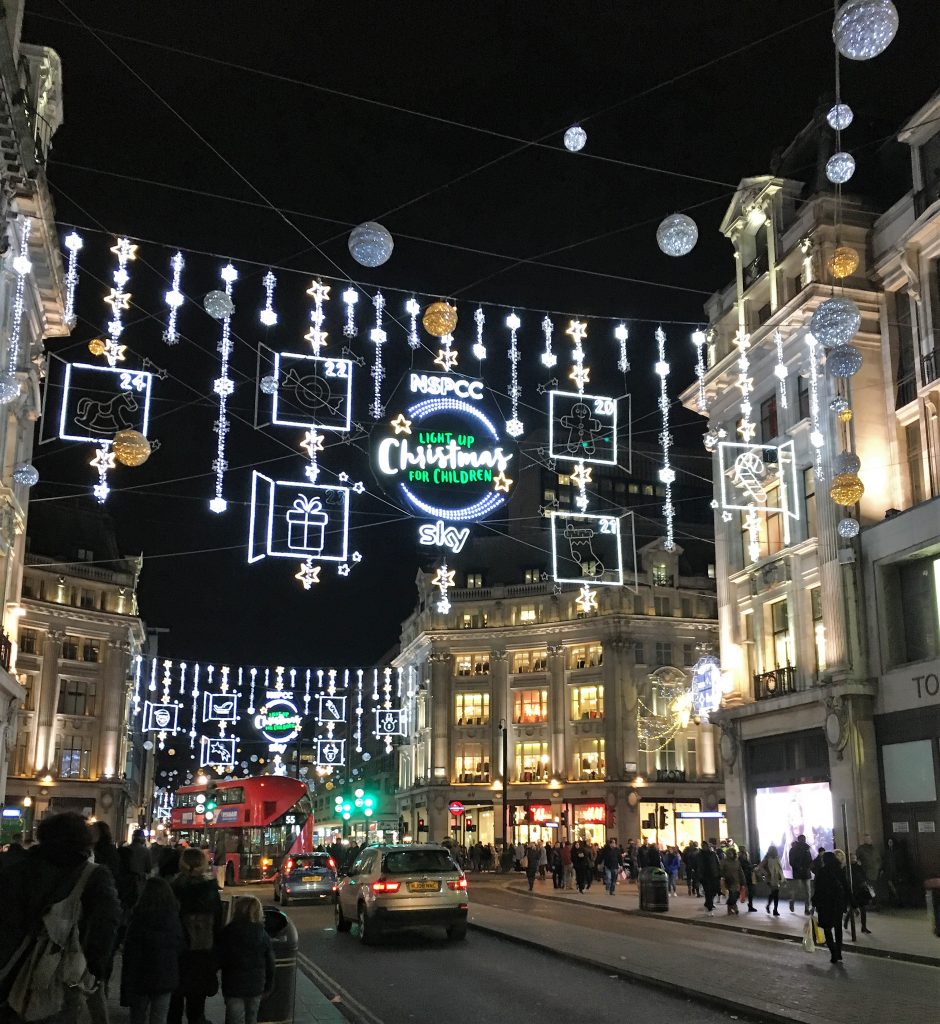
(150, 961)
(247, 960)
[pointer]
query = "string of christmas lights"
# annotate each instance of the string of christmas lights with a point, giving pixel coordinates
(667, 474)
(174, 299)
(223, 387)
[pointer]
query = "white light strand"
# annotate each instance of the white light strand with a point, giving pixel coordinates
(444, 580)
(667, 474)
(622, 334)
(412, 308)
(307, 693)
(312, 444)
(387, 703)
(74, 243)
(267, 315)
(174, 299)
(580, 374)
(320, 293)
(253, 673)
(698, 340)
(103, 461)
(378, 338)
(223, 387)
(446, 356)
(514, 425)
(359, 711)
(350, 297)
(780, 369)
(138, 665)
(195, 696)
(549, 359)
(816, 438)
(22, 266)
(119, 300)
(479, 349)
(746, 430)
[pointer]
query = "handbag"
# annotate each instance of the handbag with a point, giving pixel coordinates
(524, 862)
(819, 936)
(809, 939)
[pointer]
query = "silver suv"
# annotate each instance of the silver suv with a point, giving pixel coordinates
(391, 887)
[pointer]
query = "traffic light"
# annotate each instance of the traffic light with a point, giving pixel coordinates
(564, 817)
(211, 796)
(343, 808)
(662, 817)
(421, 825)
(365, 802)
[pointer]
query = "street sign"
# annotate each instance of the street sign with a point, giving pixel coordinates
(456, 808)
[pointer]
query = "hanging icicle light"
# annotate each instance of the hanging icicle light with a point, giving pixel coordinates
(223, 386)
(835, 322)
(412, 308)
(174, 299)
(677, 235)
(698, 340)
(864, 28)
(370, 244)
(378, 338)
(667, 474)
(549, 358)
(622, 334)
(479, 349)
(780, 369)
(840, 167)
(514, 425)
(9, 382)
(74, 243)
(350, 298)
(268, 316)
(840, 117)
(575, 138)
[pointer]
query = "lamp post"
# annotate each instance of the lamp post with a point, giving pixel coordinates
(504, 729)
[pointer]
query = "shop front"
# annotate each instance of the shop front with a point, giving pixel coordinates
(533, 822)
(474, 824)
(679, 822)
(590, 821)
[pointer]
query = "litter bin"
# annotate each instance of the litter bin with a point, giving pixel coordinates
(278, 1007)
(932, 885)
(654, 890)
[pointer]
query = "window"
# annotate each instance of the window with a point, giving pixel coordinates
(473, 620)
(31, 587)
(532, 762)
(780, 653)
(904, 374)
(768, 419)
(663, 653)
(474, 580)
(73, 754)
(529, 661)
(691, 759)
(661, 577)
(769, 536)
(529, 613)
(19, 765)
(639, 652)
(915, 469)
(687, 607)
(589, 762)
(529, 706)
(587, 702)
(688, 655)
(28, 682)
(667, 757)
(590, 656)
(472, 664)
(533, 576)
(28, 641)
(809, 500)
(911, 610)
(70, 648)
(802, 397)
(663, 605)
(471, 763)
(819, 629)
(87, 598)
(91, 650)
(86, 555)
(589, 568)
(76, 697)
(639, 604)
(471, 708)
(747, 634)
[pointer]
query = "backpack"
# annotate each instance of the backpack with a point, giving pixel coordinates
(55, 965)
(200, 931)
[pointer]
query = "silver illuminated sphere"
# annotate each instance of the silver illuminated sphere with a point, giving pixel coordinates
(838, 404)
(848, 528)
(218, 305)
(26, 475)
(835, 322)
(370, 244)
(677, 235)
(840, 167)
(575, 138)
(269, 385)
(864, 28)
(844, 361)
(847, 462)
(840, 117)
(9, 388)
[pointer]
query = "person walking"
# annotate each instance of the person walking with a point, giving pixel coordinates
(543, 860)
(582, 865)
(690, 859)
(733, 875)
(151, 952)
(567, 865)
(557, 867)
(246, 957)
(611, 861)
(830, 900)
(530, 863)
(772, 870)
(748, 868)
(709, 873)
(201, 916)
(671, 862)
(870, 859)
(103, 848)
(859, 890)
(801, 863)
(14, 852)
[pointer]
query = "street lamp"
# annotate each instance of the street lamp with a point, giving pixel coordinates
(504, 729)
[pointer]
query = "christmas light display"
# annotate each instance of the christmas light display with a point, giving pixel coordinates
(413, 308)
(698, 340)
(350, 298)
(667, 474)
(9, 382)
(575, 138)
(622, 334)
(370, 244)
(514, 425)
(479, 349)
(816, 438)
(780, 369)
(586, 547)
(174, 299)
(223, 386)
(549, 359)
(444, 580)
(378, 338)
(267, 315)
(74, 243)
(119, 300)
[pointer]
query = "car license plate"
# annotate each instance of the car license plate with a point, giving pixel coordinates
(424, 886)
(311, 878)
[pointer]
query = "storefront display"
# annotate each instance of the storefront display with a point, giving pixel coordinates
(784, 812)
(591, 822)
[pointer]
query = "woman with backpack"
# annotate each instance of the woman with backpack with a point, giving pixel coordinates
(201, 916)
(247, 960)
(150, 959)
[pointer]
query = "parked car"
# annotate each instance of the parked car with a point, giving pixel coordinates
(397, 886)
(306, 876)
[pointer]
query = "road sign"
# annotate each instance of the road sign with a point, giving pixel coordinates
(456, 808)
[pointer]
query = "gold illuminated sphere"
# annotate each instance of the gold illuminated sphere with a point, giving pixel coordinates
(846, 489)
(844, 415)
(440, 318)
(843, 262)
(97, 347)
(131, 448)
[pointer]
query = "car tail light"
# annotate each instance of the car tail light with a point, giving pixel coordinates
(288, 867)
(331, 863)
(458, 883)
(380, 885)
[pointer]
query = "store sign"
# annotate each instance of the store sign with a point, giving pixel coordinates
(445, 456)
(591, 814)
(540, 813)
(278, 721)
(456, 808)
(228, 814)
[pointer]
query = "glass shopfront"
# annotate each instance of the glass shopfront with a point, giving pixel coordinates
(680, 822)
(532, 822)
(589, 822)
(476, 824)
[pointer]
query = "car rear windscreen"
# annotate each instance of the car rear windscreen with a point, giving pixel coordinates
(306, 860)
(415, 862)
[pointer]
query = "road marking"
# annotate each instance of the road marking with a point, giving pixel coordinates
(350, 1007)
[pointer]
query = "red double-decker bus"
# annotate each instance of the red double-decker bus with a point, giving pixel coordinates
(253, 825)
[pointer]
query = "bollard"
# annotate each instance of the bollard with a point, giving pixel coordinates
(278, 1007)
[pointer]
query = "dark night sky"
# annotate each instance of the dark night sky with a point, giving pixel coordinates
(519, 70)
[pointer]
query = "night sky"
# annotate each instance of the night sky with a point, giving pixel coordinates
(204, 117)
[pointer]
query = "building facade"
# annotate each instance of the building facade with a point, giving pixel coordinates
(78, 745)
(32, 301)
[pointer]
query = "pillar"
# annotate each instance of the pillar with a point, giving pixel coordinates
(48, 702)
(558, 709)
(441, 672)
(706, 757)
(111, 712)
(616, 708)
(500, 711)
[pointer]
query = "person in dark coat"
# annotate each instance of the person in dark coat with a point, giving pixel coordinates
(247, 960)
(830, 900)
(150, 957)
(47, 874)
(103, 848)
(135, 865)
(581, 861)
(733, 875)
(801, 863)
(748, 868)
(14, 853)
(531, 858)
(708, 870)
(859, 893)
(201, 915)
(611, 860)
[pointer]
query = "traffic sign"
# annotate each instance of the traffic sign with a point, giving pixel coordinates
(456, 808)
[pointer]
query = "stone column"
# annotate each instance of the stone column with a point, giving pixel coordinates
(48, 701)
(111, 709)
(615, 707)
(706, 757)
(500, 711)
(441, 671)
(628, 699)
(772, 262)
(558, 709)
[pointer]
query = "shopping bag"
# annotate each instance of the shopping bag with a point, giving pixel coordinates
(818, 934)
(809, 940)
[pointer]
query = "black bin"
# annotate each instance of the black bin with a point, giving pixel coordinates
(654, 890)
(278, 1007)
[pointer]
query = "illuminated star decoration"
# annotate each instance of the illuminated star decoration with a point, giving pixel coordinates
(581, 475)
(401, 424)
(444, 580)
(343, 569)
(320, 293)
(103, 461)
(501, 482)
(119, 300)
(446, 357)
(308, 574)
(587, 600)
(312, 444)
(581, 375)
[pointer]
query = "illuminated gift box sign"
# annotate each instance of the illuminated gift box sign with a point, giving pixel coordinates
(297, 519)
(216, 752)
(100, 401)
(331, 709)
(312, 389)
(760, 478)
(445, 454)
(586, 547)
(162, 718)
(219, 707)
(582, 427)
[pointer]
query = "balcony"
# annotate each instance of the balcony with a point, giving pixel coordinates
(930, 366)
(6, 650)
(755, 269)
(670, 775)
(776, 683)
(907, 391)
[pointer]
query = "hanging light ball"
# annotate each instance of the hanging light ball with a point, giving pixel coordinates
(840, 117)
(846, 489)
(370, 245)
(677, 235)
(843, 262)
(575, 138)
(131, 448)
(844, 415)
(26, 475)
(97, 347)
(440, 319)
(847, 462)
(269, 385)
(864, 28)
(840, 167)
(845, 361)
(9, 388)
(848, 528)
(838, 404)
(218, 305)
(835, 322)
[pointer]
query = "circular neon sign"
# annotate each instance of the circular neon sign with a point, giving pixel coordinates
(278, 721)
